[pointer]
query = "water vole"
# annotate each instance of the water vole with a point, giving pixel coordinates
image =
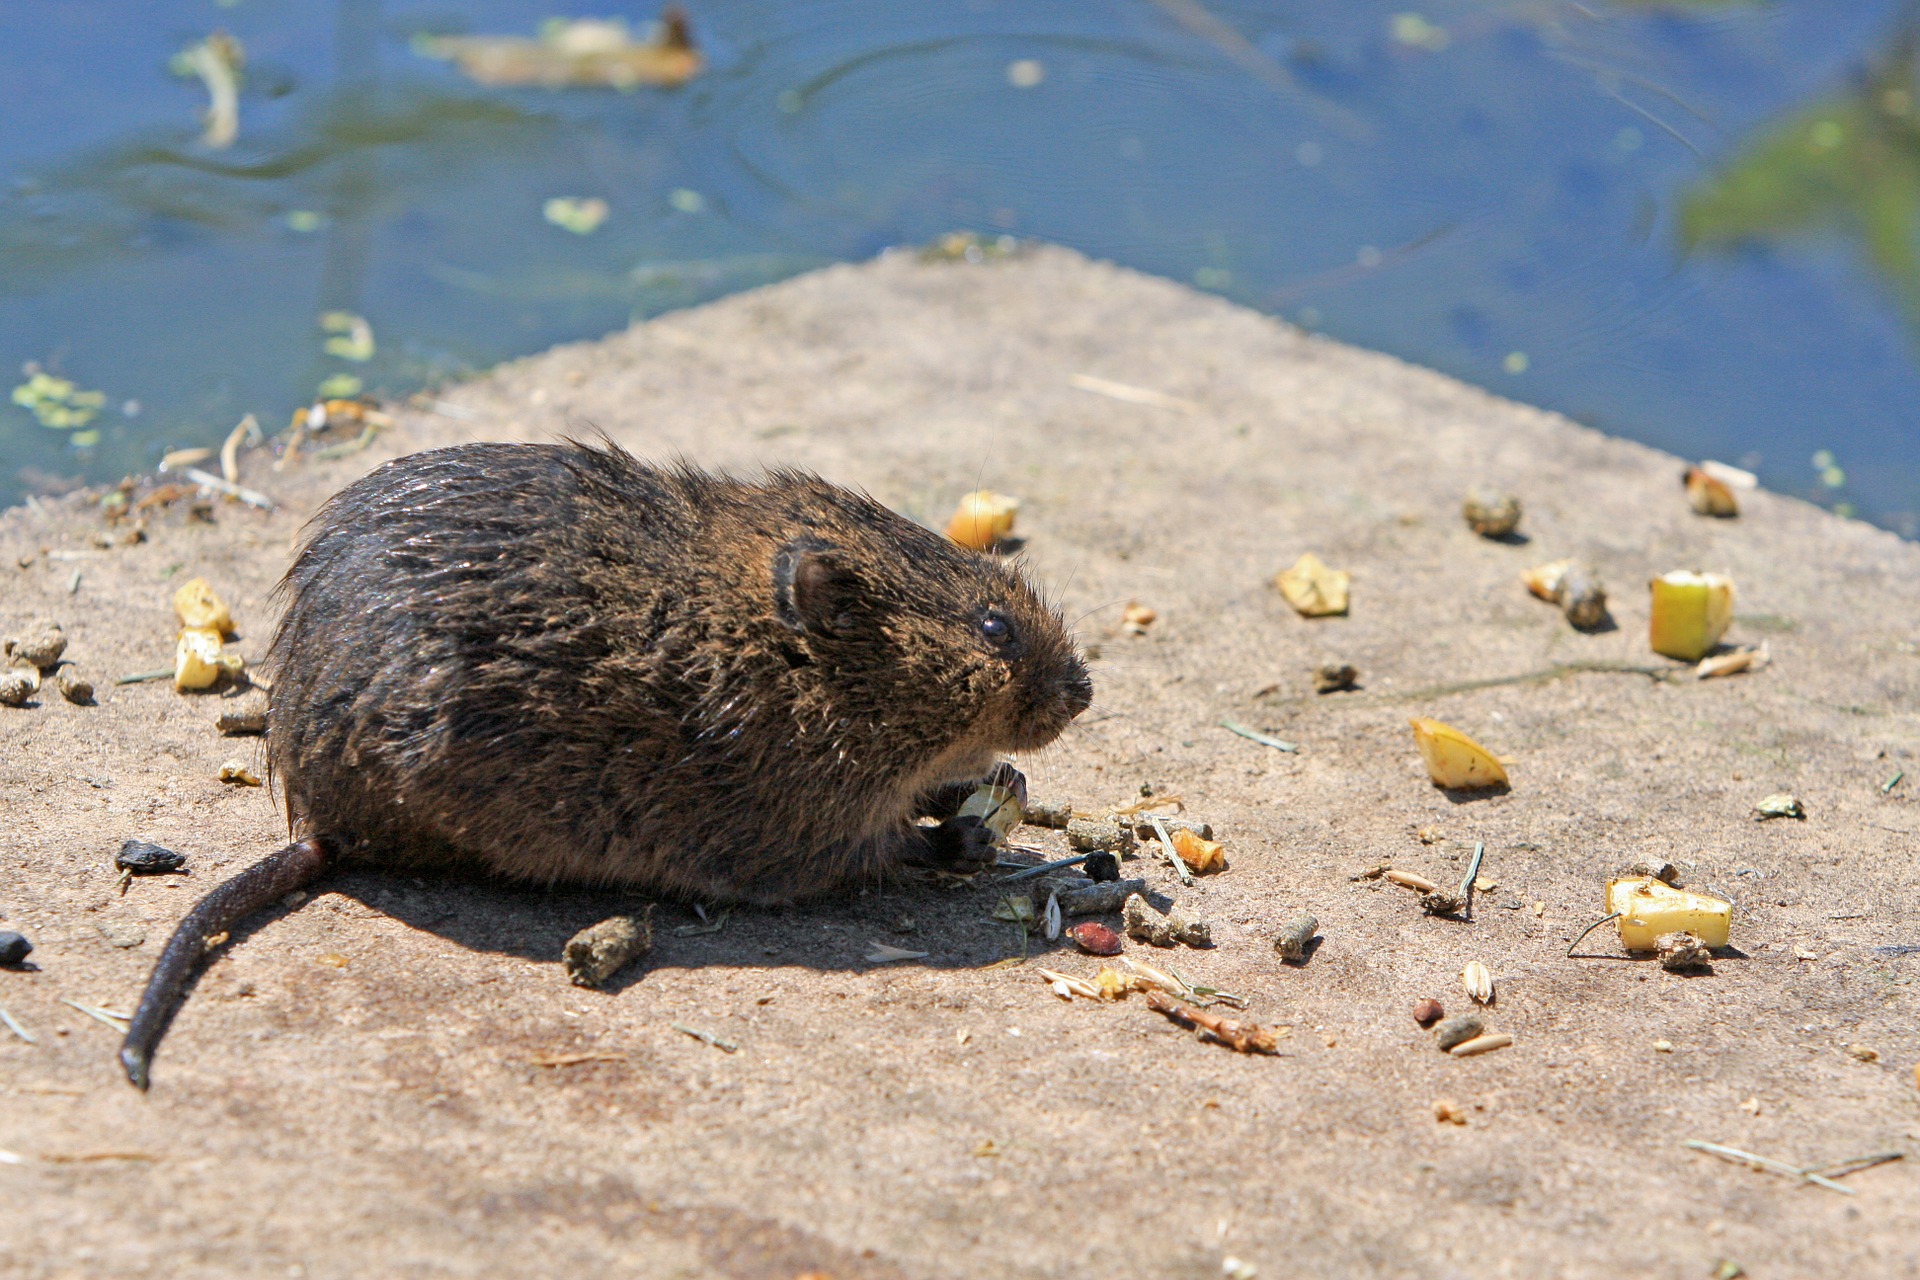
(556, 663)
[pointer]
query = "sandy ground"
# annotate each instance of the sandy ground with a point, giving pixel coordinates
(352, 1090)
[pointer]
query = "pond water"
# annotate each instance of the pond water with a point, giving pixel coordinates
(1692, 223)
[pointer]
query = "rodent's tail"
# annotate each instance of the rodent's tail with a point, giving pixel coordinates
(260, 885)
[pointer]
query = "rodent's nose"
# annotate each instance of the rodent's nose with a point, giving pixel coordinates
(1077, 692)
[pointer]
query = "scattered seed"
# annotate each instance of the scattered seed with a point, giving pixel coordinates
(1779, 805)
(1458, 1030)
(1481, 1044)
(1478, 982)
(1447, 1111)
(1863, 1052)
(881, 953)
(238, 774)
(598, 952)
(1408, 880)
(1427, 1012)
(1096, 939)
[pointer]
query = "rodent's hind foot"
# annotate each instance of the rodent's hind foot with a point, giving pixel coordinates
(961, 846)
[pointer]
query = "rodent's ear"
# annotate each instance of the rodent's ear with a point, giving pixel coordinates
(811, 590)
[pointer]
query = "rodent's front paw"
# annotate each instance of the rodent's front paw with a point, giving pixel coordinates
(958, 846)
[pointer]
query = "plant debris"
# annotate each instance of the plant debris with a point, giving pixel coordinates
(1709, 495)
(39, 647)
(592, 53)
(1103, 835)
(1254, 735)
(74, 688)
(236, 773)
(706, 1037)
(1242, 1037)
(580, 215)
(1781, 804)
(881, 953)
(1150, 926)
(596, 953)
(983, 520)
(1291, 943)
(1314, 590)
(249, 719)
(1575, 588)
(1136, 618)
(217, 61)
(1100, 898)
(1335, 677)
(1491, 513)
(1681, 951)
(1733, 663)
(1447, 1111)
(17, 686)
(1821, 1175)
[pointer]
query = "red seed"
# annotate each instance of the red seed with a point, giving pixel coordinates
(1427, 1012)
(1096, 938)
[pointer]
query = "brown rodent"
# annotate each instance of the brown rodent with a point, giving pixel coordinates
(555, 663)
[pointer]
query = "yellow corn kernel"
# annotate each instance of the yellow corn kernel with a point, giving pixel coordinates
(1691, 611)
(1649, 908)
(983, 519)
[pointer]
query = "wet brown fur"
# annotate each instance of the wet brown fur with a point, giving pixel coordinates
(556, 663)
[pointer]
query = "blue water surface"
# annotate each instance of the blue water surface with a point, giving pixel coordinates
(1695, 224)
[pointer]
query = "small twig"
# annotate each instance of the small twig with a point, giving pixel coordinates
(206, 479)
(1763, 1163)
(1213, 995)
(1841, 1168)
(706, 1037)
(1180, 867)
(1027, 873)
(1141, 806)
(15, 1027)
(1887, 786)
(141, 677)
(118, 1021)
(1590, 928)
(1254, 735)
(247, 432)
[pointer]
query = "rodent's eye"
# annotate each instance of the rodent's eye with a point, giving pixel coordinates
(997, 628)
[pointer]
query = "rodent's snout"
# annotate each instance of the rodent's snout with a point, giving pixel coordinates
(1076, 690)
